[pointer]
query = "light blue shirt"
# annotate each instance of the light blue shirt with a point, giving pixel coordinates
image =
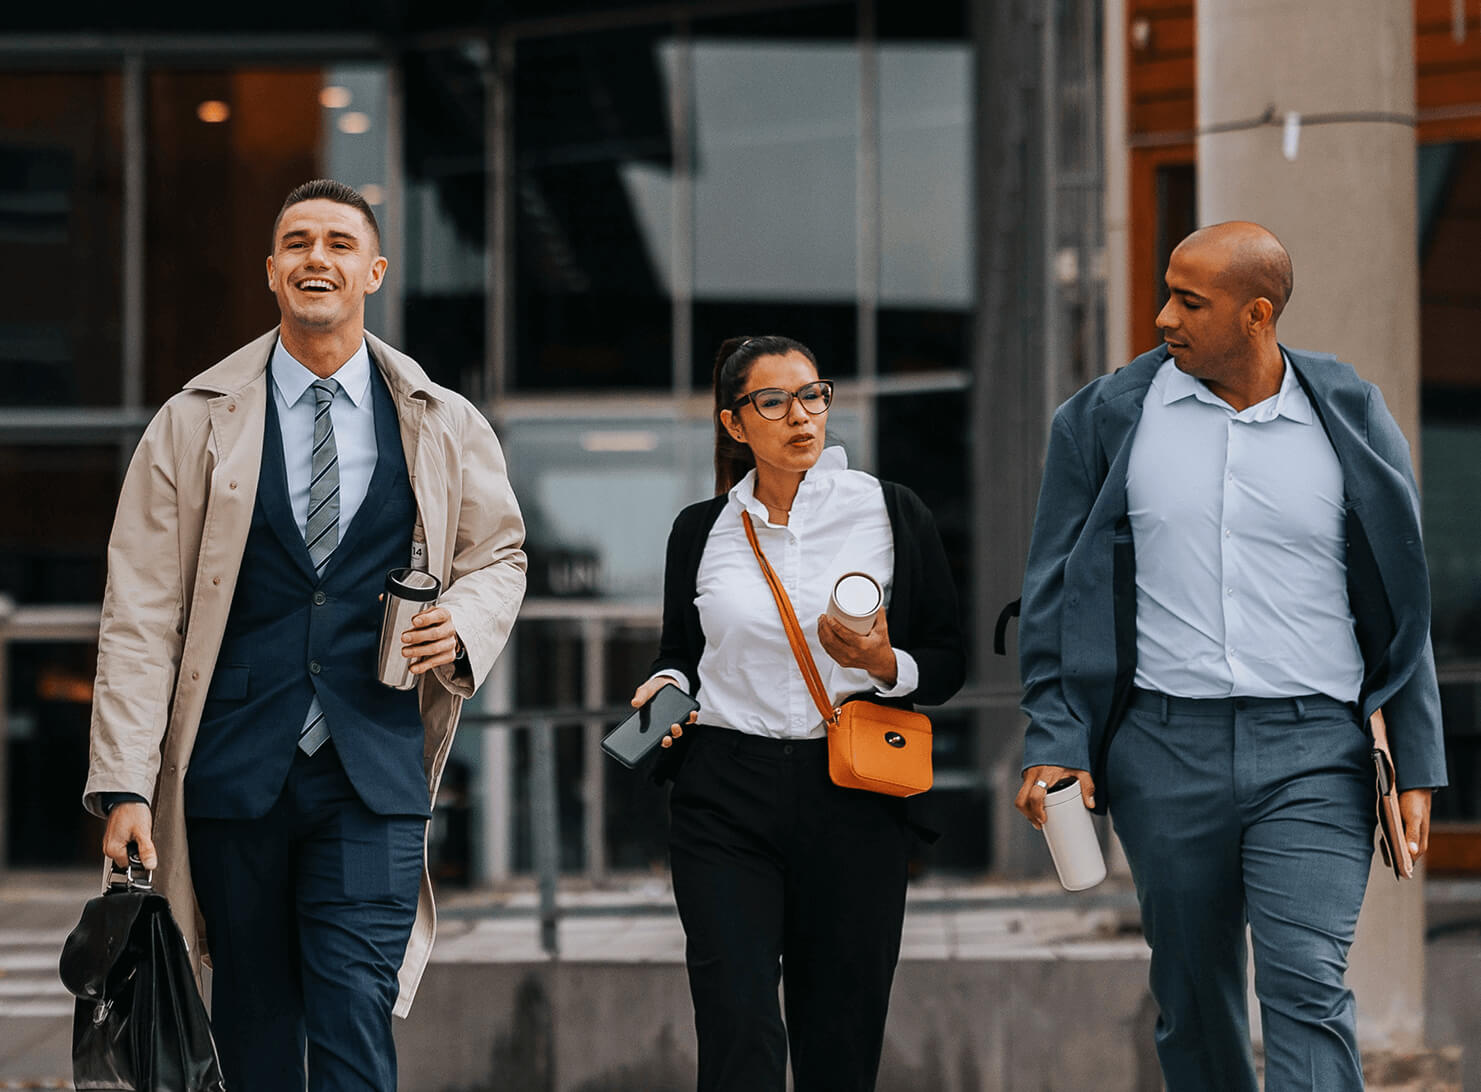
(353, 414)
(1241, 555)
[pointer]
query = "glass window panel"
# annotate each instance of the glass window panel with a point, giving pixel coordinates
(46, 742)
(776, 135)
(442, 270)
(592, 205)
(1450, 436)
(926, 220)
(58, 503)
(225, 147)
(925, 149)
(61, 238)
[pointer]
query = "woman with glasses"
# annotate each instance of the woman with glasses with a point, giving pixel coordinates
(777, 872)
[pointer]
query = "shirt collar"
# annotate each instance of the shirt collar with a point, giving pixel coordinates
(833, 460)
(292, 378)
(1289, 402)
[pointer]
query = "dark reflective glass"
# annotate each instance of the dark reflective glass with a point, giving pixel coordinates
(61, 237)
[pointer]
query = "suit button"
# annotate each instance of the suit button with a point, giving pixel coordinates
(319, 598)
(314, 667)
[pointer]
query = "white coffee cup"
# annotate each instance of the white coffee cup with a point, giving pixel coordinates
(855, 600)
(1071, 837)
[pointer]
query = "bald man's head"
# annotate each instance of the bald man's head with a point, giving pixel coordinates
(1253, 261)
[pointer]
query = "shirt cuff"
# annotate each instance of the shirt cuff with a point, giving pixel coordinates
(907, 676)
(680, 679)
(110, 800)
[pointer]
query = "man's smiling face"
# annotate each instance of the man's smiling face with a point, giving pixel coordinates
(325, 261)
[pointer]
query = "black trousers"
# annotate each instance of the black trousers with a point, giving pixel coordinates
(780, 874)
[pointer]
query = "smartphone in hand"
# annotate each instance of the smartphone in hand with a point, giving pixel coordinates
(636, 738)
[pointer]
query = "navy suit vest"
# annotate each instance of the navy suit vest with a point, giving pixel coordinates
(292, 634)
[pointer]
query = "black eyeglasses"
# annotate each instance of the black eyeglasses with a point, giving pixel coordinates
(773, 403)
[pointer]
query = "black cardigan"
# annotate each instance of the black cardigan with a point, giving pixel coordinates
(922, 614)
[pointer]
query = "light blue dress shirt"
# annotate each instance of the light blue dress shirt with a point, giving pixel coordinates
(1241, 556)
(353, 414)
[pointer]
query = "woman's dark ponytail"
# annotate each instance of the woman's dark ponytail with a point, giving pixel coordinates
(734, 459)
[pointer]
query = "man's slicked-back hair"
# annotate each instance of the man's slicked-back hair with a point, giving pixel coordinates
(327, 189)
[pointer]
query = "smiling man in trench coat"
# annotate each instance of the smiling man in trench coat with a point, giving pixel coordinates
(239, 734)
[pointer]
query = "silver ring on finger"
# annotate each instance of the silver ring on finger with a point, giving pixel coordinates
(1042, 784)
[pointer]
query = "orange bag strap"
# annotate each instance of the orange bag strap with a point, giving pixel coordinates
(800, 650)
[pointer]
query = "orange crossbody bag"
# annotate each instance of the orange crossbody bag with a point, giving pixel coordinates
(870, 746)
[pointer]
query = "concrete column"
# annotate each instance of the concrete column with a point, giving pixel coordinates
(1341, 195)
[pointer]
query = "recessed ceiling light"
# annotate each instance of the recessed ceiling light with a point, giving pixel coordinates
(213, 111)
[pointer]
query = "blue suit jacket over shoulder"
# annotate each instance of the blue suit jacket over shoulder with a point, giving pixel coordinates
(1077, 634)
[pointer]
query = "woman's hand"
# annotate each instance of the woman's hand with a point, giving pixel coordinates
(871, 650)
(644, 694)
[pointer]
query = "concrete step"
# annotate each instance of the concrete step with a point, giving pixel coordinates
(35, 1010)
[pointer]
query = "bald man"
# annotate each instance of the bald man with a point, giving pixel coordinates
(1225, 580)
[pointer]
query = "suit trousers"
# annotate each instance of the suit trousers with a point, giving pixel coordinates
(308, 910)
(780, 875)
(1258, 811)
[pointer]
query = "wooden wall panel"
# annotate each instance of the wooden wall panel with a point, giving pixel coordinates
(1159, 70)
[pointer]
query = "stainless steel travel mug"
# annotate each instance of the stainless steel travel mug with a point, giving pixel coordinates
(1071, 837)
(408, 593)
(855, 599)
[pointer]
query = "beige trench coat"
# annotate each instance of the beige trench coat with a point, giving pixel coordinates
(173, 559)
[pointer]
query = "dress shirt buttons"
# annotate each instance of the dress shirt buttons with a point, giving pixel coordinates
(215, 580)
(1228, 591)
(320, 598)
(233, 485)
(314, 668)
(1227, 532)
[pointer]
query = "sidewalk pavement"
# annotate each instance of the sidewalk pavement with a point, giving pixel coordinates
(991, 974)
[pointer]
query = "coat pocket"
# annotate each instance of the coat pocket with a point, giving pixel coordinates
(229, 683)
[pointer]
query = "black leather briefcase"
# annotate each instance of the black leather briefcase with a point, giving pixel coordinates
(139, 1024)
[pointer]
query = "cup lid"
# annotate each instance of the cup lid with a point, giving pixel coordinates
(857, 594)
(413, 584)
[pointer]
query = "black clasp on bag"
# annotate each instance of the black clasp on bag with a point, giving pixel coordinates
(894, 739)
(123, 879)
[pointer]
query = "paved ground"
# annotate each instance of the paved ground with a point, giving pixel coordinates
(1021, 931)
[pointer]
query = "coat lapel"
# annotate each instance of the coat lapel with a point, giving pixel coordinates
(1384, 507)
(1115, 420)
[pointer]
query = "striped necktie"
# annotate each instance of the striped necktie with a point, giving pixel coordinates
(321, 530)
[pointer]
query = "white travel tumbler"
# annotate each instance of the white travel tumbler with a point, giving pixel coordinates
(855, 600)
(408, 593)
(1071, 837)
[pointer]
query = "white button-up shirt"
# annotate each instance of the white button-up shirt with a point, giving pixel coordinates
(748, 677)
(1241, 554)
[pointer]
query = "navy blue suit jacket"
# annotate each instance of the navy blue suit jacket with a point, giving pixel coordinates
(1077, 634)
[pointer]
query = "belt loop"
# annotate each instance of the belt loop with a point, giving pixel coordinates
(1300, 708)
(1166, 708)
